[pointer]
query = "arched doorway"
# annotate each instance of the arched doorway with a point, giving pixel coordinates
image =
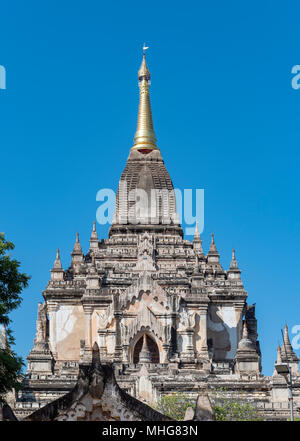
(152, 347)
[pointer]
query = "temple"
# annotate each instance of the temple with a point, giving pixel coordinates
(165, 314)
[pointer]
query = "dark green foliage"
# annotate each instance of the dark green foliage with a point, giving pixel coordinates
(10, 372)
(12, 282)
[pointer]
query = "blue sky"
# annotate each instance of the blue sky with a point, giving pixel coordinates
(225, 115)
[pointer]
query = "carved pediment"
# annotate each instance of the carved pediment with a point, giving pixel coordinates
(141, 285)
(146, 319)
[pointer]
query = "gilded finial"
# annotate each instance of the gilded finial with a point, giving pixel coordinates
(145, 48)
(144, 139)
(143, 72)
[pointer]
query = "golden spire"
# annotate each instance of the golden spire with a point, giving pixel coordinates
(144, 139)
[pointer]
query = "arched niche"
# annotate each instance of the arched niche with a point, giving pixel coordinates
(153, 348)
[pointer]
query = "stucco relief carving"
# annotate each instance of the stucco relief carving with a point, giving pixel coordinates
(146, 319)
(77, 412)
(145, 253)
(186, 319)
(105, 317)
(145, 283)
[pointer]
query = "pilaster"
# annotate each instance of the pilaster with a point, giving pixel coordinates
(52, 309)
